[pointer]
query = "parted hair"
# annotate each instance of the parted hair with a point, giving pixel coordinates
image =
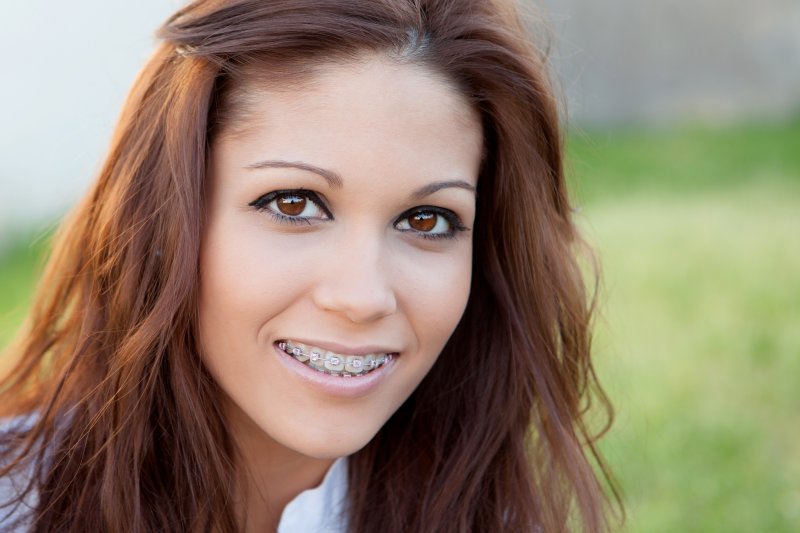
(127, 431)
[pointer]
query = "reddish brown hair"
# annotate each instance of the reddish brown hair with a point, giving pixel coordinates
(128, 435)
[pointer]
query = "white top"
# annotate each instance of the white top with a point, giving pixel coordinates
(321, 509)
(13, 485)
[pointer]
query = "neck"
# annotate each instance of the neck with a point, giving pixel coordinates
(270, 475)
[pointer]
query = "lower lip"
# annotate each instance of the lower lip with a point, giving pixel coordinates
(345, 387)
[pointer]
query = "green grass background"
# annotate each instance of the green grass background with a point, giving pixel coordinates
(698, 338)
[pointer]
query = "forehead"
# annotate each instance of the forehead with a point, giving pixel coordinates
(241, 102)
(375, 112)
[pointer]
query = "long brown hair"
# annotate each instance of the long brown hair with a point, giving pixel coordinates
(127, 433)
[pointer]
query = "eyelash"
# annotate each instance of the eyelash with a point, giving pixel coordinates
(451, 218)
(261, 205)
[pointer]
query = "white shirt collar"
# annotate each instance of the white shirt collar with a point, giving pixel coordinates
(321, 509)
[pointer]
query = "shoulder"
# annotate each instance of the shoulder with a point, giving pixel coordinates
(16, 507)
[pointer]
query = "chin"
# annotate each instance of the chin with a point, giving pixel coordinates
(330, 442)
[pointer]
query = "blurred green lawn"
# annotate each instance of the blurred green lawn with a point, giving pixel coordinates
(698, 342)
(698, 233)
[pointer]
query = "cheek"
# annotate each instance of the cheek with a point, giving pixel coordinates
(243, 282)
(434, 289)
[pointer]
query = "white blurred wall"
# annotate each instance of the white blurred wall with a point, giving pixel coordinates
(66, 68)
(666, 61)
(67, 65)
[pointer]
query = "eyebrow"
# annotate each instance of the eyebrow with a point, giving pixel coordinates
(333, 179)
(431, 188)
(336, 181)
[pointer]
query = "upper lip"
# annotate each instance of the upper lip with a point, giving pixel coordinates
(343, 349)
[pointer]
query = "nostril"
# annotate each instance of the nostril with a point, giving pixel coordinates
(358, 302)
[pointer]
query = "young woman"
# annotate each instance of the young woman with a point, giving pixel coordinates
(326, 281)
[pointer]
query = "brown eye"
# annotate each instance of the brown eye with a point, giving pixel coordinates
(291, 205)
(422, 221)
(429, 222)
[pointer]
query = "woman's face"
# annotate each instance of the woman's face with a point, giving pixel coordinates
(338, 227)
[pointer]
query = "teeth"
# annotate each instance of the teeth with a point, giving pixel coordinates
(332, 362)
(354, 364)
(369, 362)
(316, 359)
(300, 354)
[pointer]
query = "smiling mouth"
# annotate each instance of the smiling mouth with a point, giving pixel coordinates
(333, 363)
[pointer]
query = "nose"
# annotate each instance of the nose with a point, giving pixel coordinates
(356, 282)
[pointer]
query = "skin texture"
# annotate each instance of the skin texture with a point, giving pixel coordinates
(362, 276)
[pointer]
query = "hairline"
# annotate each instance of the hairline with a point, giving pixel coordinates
(257, 75)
